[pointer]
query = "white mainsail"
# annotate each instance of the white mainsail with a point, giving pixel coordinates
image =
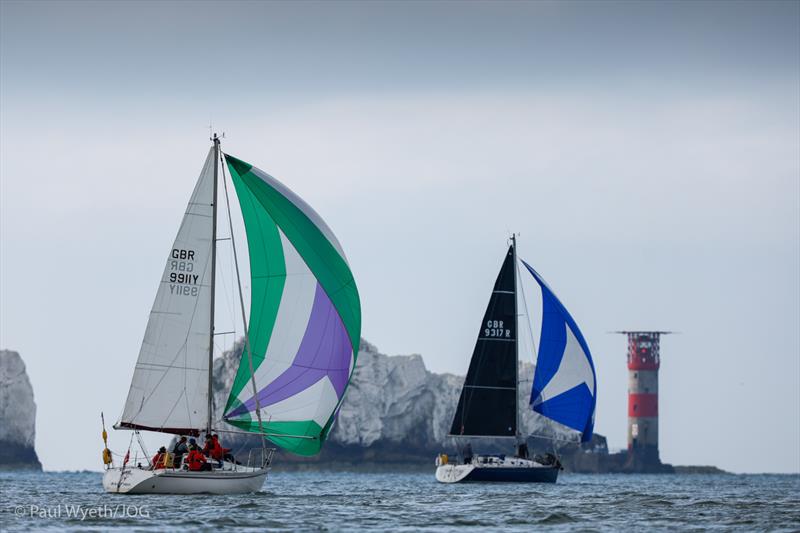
(169, 390)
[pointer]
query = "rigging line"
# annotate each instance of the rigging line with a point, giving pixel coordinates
(486, 387)
(241, 301)
(221, 348)
(475, 436)
(175, 405)
(554, 439)
(234, 320)
(141, 445)
(225, 291)
(527, 312)
(151, 366)
(277, 435)
(128, 453)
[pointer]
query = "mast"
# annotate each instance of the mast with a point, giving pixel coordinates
(516, 336)
(213, 286)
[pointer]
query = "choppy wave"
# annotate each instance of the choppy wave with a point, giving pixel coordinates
(382, 502)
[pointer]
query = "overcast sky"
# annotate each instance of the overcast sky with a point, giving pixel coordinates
(647, 153)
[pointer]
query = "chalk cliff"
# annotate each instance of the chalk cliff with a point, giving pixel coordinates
(394, 411)
(17, 415)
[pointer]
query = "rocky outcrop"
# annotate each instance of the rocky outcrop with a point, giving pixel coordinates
(17, 415)
(396, 400)
(395, 411)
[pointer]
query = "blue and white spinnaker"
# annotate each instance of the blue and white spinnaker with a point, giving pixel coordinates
(564, 383)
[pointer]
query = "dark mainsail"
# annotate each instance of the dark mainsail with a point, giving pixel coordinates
(488, 402)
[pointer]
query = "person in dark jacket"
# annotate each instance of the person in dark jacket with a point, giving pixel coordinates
(180, 449)
(522, 450)
(467, 453)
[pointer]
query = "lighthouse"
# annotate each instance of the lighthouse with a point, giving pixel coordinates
(644, 359)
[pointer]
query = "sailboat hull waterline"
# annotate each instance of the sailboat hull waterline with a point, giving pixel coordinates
(498, 470)
(167, 481)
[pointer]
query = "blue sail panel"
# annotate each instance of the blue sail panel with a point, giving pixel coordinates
(570, 408)
(564, 383)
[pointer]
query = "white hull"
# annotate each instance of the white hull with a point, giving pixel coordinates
(453, 473)
(232, 480)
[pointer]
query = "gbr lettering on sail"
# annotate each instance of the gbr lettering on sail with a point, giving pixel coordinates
(494, 328)
(182, 280)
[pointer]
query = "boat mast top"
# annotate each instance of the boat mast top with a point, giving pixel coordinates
(215, 139)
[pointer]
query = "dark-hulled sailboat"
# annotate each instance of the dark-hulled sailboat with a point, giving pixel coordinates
(564, 384)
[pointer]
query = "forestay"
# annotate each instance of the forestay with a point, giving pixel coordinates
(305, 317)
(169, 390)
(564, 383)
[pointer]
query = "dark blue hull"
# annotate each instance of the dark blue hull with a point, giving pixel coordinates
(511, 474)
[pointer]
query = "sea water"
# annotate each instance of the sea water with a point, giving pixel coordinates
(336, 501)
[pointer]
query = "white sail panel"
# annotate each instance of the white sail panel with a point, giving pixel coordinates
(573, 370)
(291, 321)
(314, 403)
(169, 390)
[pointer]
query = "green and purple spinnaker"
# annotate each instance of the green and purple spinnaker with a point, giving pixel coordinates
(305, 316)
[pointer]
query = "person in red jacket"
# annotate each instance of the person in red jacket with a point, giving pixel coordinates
(208, 447)
(159, 460)
(218, 452)
(215, 450)
(197, 461)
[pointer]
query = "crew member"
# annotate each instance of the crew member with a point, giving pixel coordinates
(218, 452)
(179, 450)
(197, 461)
(208, 446)
(159, 460)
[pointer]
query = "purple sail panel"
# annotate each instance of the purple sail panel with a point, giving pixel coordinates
(324, 351)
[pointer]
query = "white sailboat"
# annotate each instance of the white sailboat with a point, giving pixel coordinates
(301, 338)
(564, 384)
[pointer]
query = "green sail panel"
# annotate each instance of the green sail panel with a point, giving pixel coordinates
(305, 317)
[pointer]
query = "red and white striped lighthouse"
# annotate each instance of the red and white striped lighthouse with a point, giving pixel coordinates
(644, 359)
